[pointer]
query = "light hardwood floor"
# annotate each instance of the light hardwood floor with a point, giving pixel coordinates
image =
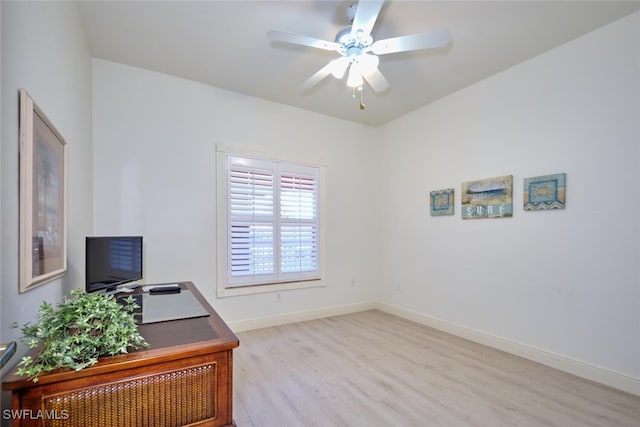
(373, 369)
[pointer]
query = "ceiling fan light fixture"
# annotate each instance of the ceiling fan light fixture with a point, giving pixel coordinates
(355, 76)
(338, 67)
(368, 63)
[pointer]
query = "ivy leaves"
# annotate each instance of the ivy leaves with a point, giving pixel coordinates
(77, 332)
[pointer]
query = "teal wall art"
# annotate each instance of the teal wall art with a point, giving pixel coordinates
(545, 192)
(441, 202)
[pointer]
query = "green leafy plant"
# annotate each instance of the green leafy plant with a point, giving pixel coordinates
(77, 332)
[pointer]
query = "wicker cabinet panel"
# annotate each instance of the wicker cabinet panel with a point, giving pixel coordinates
(167, 399)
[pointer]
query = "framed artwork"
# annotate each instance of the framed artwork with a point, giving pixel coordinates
(545, 192)
(441, 202)
(43, 196)
(488, 198)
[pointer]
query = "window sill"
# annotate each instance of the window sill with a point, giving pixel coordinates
(270, 287)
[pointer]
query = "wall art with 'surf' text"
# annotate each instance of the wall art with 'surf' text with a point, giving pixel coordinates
(488, 198)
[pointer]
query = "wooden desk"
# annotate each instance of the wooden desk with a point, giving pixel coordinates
(185, 377)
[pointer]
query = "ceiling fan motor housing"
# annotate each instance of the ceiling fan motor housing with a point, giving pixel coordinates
(352, 45)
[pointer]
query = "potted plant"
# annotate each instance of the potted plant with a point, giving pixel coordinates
(77, 332)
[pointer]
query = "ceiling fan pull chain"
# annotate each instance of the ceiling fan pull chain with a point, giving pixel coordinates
(361, 89)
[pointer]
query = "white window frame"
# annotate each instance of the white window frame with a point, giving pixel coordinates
(227, 287)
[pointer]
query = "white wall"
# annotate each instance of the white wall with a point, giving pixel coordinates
(154, 175)
(561, 283)
(44, 51)
(565, 281)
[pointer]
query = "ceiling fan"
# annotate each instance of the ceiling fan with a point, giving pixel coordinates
(358, 50)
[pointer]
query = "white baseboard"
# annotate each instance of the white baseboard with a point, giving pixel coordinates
(562, 363)
(300, 316)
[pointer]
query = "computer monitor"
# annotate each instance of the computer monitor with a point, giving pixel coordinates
(112, 261)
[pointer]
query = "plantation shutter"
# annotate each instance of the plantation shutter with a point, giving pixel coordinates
(272, 222)
(251, 227)
(298, 223)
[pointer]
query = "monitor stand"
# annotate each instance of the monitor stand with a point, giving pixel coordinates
(128, 288)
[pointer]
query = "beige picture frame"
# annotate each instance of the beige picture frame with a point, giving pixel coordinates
(43, 197)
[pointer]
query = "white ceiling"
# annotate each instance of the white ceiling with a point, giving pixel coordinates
(224, 44)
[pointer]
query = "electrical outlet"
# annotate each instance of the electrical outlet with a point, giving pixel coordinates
(278, 297)
(398, 286)
(353, 283)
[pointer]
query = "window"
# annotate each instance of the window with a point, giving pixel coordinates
(269, 225)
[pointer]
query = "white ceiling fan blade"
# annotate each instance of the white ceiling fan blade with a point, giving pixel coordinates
(283, 36)
(366, 15)
(317, 77)
(376, 80)
(426, 40)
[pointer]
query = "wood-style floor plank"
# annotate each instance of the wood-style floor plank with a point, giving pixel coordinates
(374, 369)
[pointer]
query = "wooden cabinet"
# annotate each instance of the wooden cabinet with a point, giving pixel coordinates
(184, 378)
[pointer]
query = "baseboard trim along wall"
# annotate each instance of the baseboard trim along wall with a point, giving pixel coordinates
(562, 363)
(300, 316)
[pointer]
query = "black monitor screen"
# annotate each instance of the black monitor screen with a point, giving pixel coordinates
(112, 261)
